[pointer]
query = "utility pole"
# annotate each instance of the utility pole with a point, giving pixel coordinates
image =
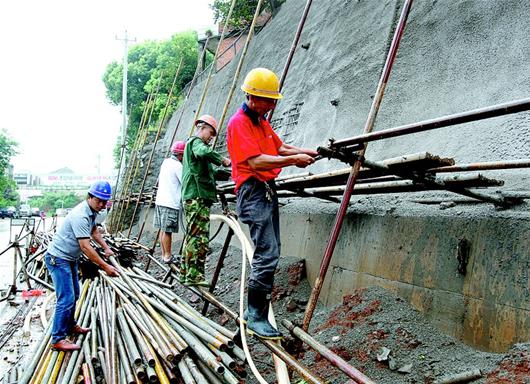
(126, 41)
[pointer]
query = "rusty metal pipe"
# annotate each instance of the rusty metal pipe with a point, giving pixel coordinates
(198, 347)
(197, 375)
(174, 299)
(225, 357)
(293, 363)
(201, 329)
(206, 371)
(124, 360)
(219, 266)
(460, 377)
(161, 326)
(157, 339)
(128, 339)
(333, 358)
(341, 214)
(140, 341)
(185, 373)
(146, 277)
(238, 71)
(89, 363)
(93, 336)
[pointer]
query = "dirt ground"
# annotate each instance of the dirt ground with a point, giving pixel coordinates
(368, 325)
(360, 329)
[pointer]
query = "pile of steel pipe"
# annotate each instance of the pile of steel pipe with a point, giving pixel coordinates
(141, 330)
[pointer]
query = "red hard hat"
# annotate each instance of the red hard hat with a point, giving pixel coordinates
(178, 147)
(210, 120)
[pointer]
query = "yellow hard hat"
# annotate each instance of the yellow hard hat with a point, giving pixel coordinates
(262, 82)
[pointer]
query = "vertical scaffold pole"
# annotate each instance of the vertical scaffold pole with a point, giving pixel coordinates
(339, 219)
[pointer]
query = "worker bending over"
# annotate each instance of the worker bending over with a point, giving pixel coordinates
(198, 194)
(62, 256)
(258, 155)
(168, 203)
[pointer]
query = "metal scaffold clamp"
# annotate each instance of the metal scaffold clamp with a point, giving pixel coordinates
(346, 155)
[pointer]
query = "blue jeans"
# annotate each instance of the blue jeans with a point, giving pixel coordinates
(66, 283)
(261, 214)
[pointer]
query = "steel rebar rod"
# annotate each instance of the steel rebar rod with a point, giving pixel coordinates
(440, 122)
(120, 192)
(238, 71)
(301, 369)
(157, 137)
(214, 61)
(136, 164)
(325, 352)
(290, 56)
(341, 214)
(218, 267)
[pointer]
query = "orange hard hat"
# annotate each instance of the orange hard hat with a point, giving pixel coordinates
(207, 119)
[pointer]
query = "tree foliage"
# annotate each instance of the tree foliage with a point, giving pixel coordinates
(243, 12)
(148, 63)
(8, 188)
(50, 201)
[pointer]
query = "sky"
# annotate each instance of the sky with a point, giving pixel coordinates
(54, 54)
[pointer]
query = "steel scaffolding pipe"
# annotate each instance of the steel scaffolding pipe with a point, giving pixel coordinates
(332, 357)
(440, 122)
(339, 220)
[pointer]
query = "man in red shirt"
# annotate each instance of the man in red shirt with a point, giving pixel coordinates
(258, 155)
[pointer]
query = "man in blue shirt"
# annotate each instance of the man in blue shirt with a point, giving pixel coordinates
(62, 257)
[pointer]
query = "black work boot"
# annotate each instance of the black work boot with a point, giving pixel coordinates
(258, 309)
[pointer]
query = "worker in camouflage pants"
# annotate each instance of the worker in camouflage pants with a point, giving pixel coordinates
(197, 213)
(198, 194)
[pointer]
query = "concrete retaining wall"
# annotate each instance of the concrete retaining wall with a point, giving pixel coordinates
(454, 56)
(416, 256)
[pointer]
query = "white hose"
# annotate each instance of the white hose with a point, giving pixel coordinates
(43, 319)
(248, 253)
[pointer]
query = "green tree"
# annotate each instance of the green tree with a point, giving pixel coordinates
(147, 62)
(50, 201)
(8, 188)
(243, 11)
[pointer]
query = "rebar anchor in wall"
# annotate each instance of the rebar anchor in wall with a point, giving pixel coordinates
(347, 155)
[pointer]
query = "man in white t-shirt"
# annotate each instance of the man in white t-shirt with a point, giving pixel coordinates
(168, 199)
